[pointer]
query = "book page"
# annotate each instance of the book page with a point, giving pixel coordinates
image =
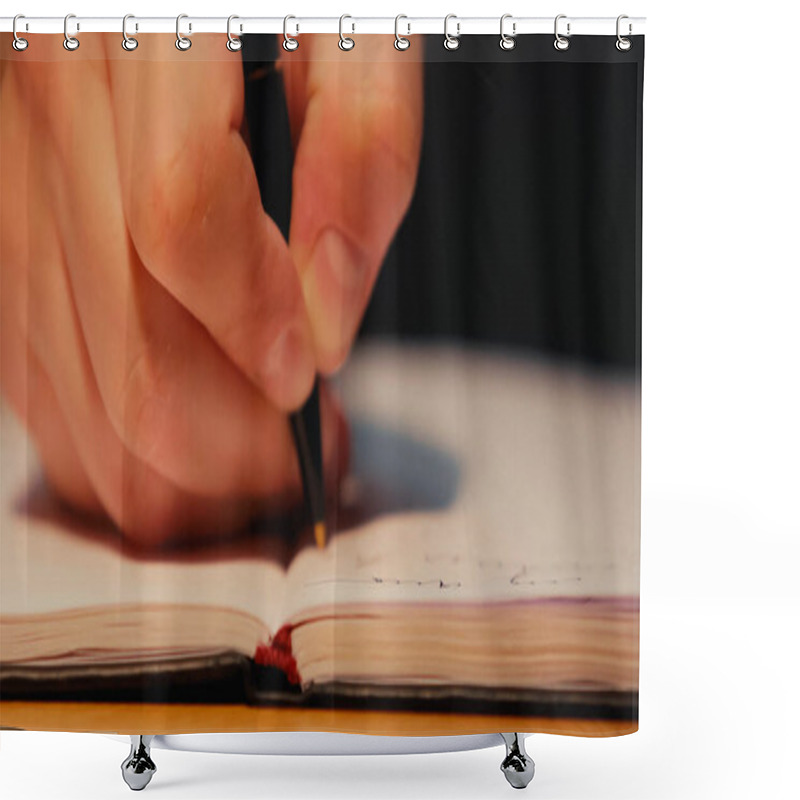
(512, 479)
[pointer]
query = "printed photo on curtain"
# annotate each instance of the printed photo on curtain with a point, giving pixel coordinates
(320, 384)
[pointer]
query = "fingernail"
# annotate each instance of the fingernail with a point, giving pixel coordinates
(288, 370)
(334, 287)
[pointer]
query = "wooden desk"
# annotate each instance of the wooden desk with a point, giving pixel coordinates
(174, 718)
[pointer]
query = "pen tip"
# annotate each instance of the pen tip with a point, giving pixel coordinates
(320, 533)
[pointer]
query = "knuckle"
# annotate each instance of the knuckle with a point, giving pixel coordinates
(153, 524)
(164, 202)
(248, 334)
(395, 144)
(244, 332)
(148, 426)
(146, 508)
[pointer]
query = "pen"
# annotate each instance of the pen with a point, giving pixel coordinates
(308, 443)
(271, 149)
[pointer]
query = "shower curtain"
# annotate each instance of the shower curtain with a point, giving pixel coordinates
(320, 384)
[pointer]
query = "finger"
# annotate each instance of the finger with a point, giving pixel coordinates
(195, 419)
(24, 383)
(360, 128)
(193, 207)
(149, 508)
(31, 395)
(173, 397)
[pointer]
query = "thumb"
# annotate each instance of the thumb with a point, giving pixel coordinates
(354, 175)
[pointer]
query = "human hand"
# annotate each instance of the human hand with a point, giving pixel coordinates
(154, 329)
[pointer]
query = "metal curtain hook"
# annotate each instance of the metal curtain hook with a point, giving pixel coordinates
(234, 45)
(561, 42)
(128, 42)
(623, 44)
(451, 42)
(181, 42)
(345, 42)
(507, 42)
(400, 42)
(289, 44)
(70, 42)
(18, 43)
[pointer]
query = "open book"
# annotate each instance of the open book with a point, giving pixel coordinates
(484, 555)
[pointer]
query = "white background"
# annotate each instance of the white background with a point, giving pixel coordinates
(720, 688)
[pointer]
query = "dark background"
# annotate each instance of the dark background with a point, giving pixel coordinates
(525, 227)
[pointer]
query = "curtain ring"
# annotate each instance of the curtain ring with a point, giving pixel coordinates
(290, 44)
(451, 42)
(181, 42)
(234, 45)
(18, 44)
(128, 42)
(400, 42)
(345, 42)
(507, 42)
(561, 42)
(70, 42)
(623, 44)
